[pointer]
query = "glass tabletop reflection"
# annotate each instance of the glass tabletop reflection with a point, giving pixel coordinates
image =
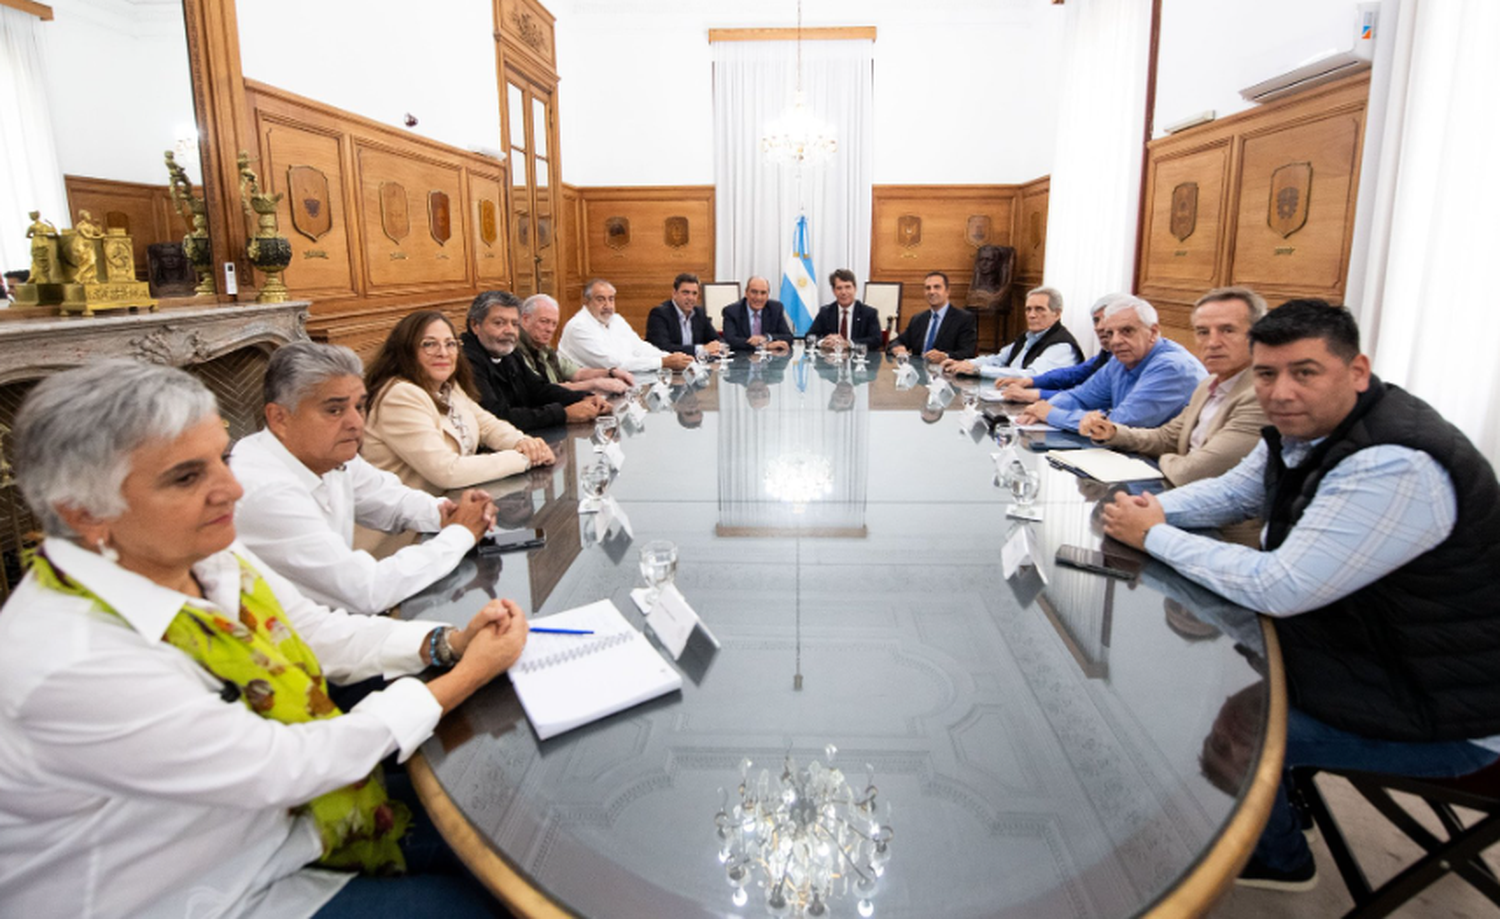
(1042, 745)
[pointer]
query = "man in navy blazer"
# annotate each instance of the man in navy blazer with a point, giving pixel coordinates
(957, 334)
(680, 325)
(846, 319)
(739, 320)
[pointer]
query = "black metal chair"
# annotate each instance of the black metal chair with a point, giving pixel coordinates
(1460, 853)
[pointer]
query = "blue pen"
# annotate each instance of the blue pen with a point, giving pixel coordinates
(563, 631)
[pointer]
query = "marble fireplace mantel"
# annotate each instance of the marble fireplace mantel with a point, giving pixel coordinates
(31, 348)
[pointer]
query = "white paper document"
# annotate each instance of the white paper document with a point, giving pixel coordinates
(990, 394)
(567, 681)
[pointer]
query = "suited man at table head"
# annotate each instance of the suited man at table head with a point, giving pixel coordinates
(679, 325)
(757, 318)
(846, 320)
(941, 332)
(1222, 421)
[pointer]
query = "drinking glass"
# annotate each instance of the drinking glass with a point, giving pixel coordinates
(763, 347)
(860, 349)
(658, 567)
(812, 342)
(1004, 433)
(1024, 485)
(971, 398)
(700, 354)
(595, 481)
(903, 359)
(606, 430)
(664, 375)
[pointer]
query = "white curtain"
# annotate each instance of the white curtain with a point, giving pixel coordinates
(757, 203)
(1096, 174)
(1426, 237)
(30, 176)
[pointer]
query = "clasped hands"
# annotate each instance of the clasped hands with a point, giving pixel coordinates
(1130, 517)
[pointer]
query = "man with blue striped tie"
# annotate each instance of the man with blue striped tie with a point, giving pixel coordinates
(942, 332)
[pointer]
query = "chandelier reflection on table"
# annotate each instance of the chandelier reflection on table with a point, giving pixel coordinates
(805, 837)
(798, 479)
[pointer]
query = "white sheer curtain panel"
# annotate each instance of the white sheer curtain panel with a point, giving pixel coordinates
(1420, 271)
(1096, 174)
(30, 176)
(757, 202)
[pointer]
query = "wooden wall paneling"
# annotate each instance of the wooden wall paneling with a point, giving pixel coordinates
(404, 255)
(527, 29)
(145, 211)
(642, 269)
(1314, 258)
(575, 248)
(1233, 160)
(491, 255)
(1030, 233)
(324, 264)
(944, 212)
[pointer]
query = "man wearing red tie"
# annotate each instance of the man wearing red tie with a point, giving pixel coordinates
(846, 320)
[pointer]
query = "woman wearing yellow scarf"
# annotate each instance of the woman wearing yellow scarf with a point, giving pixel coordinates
(167, 743)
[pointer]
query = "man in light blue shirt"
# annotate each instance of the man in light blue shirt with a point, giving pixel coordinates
(1045, 345)
(1148, 383)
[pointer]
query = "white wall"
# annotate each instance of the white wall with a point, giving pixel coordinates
(961, 87)
(119, 88)
(382, 59)
(1211, 49)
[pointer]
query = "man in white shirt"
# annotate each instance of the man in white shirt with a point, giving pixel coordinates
(306, 486)
(1045, 345)
(596, 337)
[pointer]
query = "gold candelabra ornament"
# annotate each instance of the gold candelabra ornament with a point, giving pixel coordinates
(267, 250)
(194, 211)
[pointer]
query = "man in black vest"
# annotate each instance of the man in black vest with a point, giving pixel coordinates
(1045, 345)
(1380, 582)
(940, 333)
(508, 389)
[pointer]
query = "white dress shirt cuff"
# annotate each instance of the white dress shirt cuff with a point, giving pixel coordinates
(407, 709)
(457, 537)
(401, 652)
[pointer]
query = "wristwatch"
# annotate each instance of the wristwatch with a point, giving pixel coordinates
(440, 649)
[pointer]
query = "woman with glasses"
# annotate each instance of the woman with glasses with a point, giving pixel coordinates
(425, 423)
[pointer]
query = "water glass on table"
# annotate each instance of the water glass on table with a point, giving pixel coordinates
(595, 482)
(606, 430)
(658, 567)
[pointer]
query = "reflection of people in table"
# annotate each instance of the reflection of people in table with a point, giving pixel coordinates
(689, 411)
(167, 731)
(306, 486)
(425, 423)
(1381, 585)
(757, 319)
(940, 332)
(1149, 382)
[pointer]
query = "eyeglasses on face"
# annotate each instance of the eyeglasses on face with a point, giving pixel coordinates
(433, 346)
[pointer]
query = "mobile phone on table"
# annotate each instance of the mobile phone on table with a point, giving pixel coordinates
(496, 542)
(1115, 566)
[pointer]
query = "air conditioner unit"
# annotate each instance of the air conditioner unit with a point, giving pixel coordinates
(1328, 66)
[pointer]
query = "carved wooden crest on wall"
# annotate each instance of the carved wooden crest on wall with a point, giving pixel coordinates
(909, 231)
(307, 187)
(395, 222)
(676, 232)
(543, 231)
(977, 230)
(1290, 187)
(1184, 210)
(489, 225)
(440, 216)
(617, 232)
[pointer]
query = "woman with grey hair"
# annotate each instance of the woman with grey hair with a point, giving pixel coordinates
(167, 744)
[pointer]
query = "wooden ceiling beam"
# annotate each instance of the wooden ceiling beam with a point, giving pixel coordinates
(40, 10)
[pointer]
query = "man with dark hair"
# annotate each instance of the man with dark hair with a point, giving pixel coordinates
(940, 332)
(1380, 583)
(846, 320)
(508, 389)
(756, 319)
(680, 325)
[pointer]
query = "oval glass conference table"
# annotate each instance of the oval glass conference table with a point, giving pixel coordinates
(1057, 743)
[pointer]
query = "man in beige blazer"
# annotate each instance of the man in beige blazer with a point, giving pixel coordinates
(1223, 419)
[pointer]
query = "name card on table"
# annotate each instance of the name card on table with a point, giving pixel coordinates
(673, 619)
(1019, 552)
(614, 455)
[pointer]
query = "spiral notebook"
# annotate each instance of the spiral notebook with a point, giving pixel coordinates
(567, 681)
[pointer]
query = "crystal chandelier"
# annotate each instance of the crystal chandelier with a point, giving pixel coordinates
(796, 137)
(799, 478)
(805, 839)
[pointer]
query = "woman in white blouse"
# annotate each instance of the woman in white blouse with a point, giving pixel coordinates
(425, 423)
(167, 743)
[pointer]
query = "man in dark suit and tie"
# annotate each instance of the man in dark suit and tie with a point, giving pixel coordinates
(846, 320)
(941, 332)
(757, 318)
(679, 325)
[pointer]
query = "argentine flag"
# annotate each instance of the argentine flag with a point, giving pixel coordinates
(799, 291)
